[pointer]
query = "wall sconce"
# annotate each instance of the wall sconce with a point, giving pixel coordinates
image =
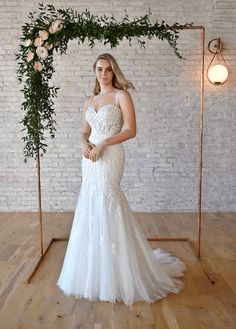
(217, 74)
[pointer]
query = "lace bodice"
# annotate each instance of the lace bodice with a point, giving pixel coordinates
(105, 122)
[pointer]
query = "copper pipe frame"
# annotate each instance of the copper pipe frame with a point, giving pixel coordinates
(197, 251)
(40, 203)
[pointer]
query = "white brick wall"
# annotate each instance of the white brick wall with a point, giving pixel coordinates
(161, 169)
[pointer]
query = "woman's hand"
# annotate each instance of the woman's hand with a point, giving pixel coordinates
(86, 149)
(96, 152)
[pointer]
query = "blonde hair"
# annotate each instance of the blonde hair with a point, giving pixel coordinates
(119, 81)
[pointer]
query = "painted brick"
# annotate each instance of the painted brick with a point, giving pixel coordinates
(161, 166)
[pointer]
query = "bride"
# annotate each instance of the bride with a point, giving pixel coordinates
(108, 257)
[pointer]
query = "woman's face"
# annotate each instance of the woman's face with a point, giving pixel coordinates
(104, 73)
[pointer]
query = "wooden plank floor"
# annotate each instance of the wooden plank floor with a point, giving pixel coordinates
(41, 304)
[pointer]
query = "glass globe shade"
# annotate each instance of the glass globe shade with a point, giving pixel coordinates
(218, 74)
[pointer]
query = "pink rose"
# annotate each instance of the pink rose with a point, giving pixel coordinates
(52, 30)
(28, 43)
(30, 56)
(42, 52)
(38, 66)
(56, 26)
(38, 42)
(46, 22)
(43, 34)
(48, 45)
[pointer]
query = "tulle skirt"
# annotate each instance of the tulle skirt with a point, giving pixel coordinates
(108, 257)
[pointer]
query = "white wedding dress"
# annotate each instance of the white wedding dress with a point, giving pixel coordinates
(108, 257)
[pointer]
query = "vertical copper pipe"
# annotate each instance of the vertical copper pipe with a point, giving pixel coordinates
(39, 203)
(201, 136)
(201, 139)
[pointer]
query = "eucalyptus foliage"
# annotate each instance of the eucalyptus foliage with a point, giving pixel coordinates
(49, 31)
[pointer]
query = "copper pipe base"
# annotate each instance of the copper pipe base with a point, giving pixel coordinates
(28, 280)
(205, 267)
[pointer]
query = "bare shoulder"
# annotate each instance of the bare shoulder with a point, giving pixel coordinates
(123, 96)
(123, 93)
(124, 99)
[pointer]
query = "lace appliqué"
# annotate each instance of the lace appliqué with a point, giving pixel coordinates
(113, 250)
(107, 122)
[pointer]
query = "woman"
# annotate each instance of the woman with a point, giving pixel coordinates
(108, 257)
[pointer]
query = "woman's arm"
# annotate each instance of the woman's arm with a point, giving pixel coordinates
(128, 111)
(86, 131)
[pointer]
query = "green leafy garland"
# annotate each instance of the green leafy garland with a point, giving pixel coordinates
(52, 30)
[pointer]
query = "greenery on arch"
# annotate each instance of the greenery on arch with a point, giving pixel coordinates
(50, 31)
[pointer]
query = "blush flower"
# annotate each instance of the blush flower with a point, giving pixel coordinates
(38, 42)
(48, 45)
(56, 26)
(46, 22)
(30, 56)
(28, 42)
(42, 52)
(38, 66)
(43, 34)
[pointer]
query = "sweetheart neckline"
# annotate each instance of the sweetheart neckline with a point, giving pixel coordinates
(102, 107)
